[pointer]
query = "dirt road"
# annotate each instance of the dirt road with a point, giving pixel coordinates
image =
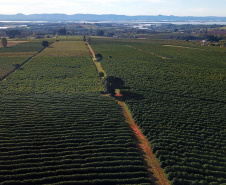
(154, 170)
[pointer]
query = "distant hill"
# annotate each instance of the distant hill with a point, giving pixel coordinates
(107, 17)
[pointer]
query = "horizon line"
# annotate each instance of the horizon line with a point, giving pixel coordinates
(114, 14)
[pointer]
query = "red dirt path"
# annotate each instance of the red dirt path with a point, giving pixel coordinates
(155, 171)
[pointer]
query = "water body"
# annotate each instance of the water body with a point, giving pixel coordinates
(185, 22)
(3, 28)
(130, 22)
(140, 24)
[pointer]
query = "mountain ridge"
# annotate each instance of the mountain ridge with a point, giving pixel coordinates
(104, 17)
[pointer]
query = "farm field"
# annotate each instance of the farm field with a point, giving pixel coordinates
(53, 72)
(16, 55)
(56, 127)
(176, 93)
(73, 139)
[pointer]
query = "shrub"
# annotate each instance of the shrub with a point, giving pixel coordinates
(45, 43)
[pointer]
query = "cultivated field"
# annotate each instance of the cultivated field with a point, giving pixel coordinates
(73, 139)
(15, 55)
(53, 72)
(56, 127)
(177, 97)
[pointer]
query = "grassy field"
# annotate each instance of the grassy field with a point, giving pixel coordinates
(177, 97)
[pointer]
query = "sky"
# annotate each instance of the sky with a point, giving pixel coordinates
(119, 7)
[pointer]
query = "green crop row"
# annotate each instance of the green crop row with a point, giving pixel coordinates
(72, 181)
(176, 95)
(43, 149)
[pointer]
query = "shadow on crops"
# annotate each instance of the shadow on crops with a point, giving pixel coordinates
(116, 82)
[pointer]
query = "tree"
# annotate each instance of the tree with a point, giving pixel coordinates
(4, 42)
(45, 43)
(84, 38)
(107, 88)
(111, 83)
(101, 74)
(115, 82)
(99, 57)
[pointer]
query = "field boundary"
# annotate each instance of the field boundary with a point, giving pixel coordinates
(155, 172)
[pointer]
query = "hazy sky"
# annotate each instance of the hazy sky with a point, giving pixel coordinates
(120, 7)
